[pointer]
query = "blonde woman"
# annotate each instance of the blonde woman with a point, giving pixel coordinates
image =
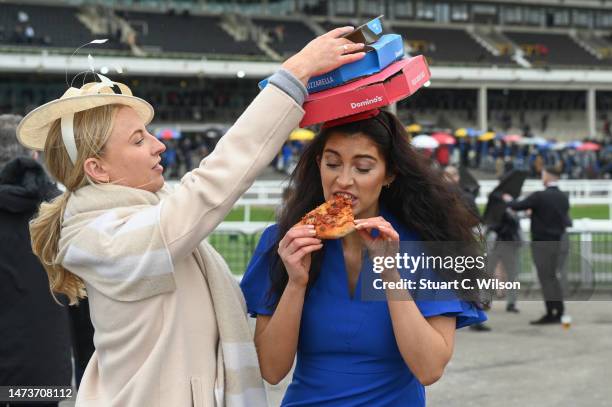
(170, 324)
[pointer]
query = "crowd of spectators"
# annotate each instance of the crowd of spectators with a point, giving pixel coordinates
(494, 157)
(498, 157)
(185, 153)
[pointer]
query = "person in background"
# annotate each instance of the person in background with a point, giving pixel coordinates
(451, 174)
(505, 249)
(549, 219)
(35, 339)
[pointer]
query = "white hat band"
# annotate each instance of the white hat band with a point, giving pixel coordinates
(68, 136)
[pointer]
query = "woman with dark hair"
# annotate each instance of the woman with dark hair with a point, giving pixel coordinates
(301, 289)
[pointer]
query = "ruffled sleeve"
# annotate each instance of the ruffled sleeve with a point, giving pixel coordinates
(438, 302)
(256, 282)
(465, 312)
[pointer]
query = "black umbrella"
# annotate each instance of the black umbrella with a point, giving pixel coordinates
(511, 183)
(467, 182)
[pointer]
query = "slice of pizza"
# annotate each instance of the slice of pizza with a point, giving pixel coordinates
(333, 219)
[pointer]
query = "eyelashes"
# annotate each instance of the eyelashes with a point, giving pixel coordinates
(360, 170)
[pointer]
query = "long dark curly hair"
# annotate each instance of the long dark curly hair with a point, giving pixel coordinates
(419, 196)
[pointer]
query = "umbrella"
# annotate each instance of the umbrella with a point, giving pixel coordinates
(461, 133)
(559, 146)
(424, 141)
(472, 132)
(301, 135)
(168, 134)
(511, 183)
(574, 144)
(467, 182)
(589, 146)
(444, 138)
(414, 128)
(546, 146)
(533, 141)
(512, 138)
(489, 135)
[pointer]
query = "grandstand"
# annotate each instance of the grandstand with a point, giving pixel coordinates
(496, 64)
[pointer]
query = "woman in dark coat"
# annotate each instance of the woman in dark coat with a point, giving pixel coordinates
(35, 340)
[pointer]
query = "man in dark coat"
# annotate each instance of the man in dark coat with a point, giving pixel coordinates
(549, 219)
(35, 340)
(453, 177)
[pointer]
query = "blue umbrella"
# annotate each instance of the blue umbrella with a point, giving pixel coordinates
(546, 146)
(473, 132)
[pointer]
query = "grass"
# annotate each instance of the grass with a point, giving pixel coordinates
(258, 214)
(266, 214)
(590, 211)
(583, 211)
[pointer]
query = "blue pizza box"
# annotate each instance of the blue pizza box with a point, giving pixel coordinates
(388, 49)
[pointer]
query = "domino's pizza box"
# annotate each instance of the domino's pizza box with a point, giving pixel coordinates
(379, 55)
(396, 82)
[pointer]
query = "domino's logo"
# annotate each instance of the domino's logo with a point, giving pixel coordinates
(367, 102)
(418, 78)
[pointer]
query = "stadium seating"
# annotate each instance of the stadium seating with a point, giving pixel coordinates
(553, 49)
(447, 45)
(187, 33)
(53, 25)
(288, 36)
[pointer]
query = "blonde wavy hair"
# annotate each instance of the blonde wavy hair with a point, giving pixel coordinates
(92, 128)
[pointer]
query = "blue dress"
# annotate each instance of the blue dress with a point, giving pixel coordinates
(347, 354)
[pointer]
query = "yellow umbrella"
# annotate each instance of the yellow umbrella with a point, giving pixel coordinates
(489, 135)
(414, 128)
(461, 133)
(301, 135)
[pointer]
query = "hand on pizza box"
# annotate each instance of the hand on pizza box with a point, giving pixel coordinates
(385, 244)
(295, 250)
(323, 54)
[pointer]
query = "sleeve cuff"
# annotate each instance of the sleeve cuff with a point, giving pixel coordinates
(285, 81)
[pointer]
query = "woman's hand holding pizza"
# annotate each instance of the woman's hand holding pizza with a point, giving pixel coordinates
(387, 241)
(295, 251)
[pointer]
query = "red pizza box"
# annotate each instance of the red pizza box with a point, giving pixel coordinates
(396, 82)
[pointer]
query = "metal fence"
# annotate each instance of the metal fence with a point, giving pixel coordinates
(588, 264)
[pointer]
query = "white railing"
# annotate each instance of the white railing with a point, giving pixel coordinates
(581, 192)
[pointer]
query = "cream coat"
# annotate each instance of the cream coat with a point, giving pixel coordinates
(156, 333)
